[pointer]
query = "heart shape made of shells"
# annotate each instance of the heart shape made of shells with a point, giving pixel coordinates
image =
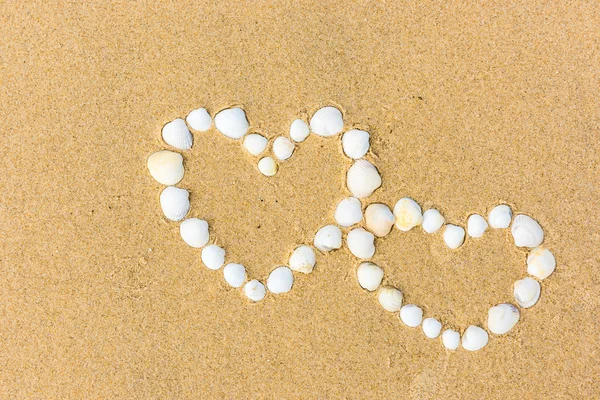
(366, 223)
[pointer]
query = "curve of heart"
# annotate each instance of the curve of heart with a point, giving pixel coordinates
(377, 220)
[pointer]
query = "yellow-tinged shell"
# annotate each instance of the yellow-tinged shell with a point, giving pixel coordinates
(408, 214)
(166, 167)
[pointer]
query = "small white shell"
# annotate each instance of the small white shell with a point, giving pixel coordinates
(213, 257)
(390, 298)
(232, 122)
(500, 216)
(177, 134)
(432, 221)
(502, 318)
(408, 214)
(327, 121)
(431, 327)
(361, 243)
(474, 338)
(527, 292)
(280, 280)
(166, 167)
(283, 148)
(526, 231)
(194, 232)
(362, 179)
(254, 290)
(541, 263)
(267, 166)
(255, 143)
(451, 339)
(454, 236)
(303, 259)
(369, 276)
(411, 315)
(328, 238)
(476, 226)
(175, 203)
(234, 274)
(348, 212)
(355, 143)
(379, 219)
(199, 120)
(299, 131)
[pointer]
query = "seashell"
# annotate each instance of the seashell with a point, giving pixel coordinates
(355, 143)
(474, 338)
(431, 327)
(369, 276)
(408, 214)
(267, 166)
(362, 179)
(476, 226)
(411, 315)
(213, 257)
(234, 274)
(199, 120)
(283, 148)
(303, 260)
(166, 167)
(502, 318)
(177, 134)
(280, 280)
(232, 123)
(299, 131)
(451, 339)
(526, 231)
(254, 290)
(327, 122)
(255, 143)
(328, 238)
(540, 263)
(432, 221)
(175, 203)
(390, 299)
(348, 212)
(500, 216)
(527, 292)
(454, 236)
(379, 219)
(361, 243)
(194, 232)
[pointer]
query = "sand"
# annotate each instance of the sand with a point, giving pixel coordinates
(468, 106)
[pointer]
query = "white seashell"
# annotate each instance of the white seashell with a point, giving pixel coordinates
(454, 236)
(451, 339)
(390, 299)
(254, 290)
(232, 123)
(476, 226)
(355, 143)
(267, 166)
(369, 276)
(500, 216)
(234, 274)
(177, 134)
(411, 315)
(303, 259)
(526, 231)
(280, 280)
(408, 214)
(213, 257)
(283, 148)
(362, 179)
(431, 327)
(175, 203)
(299, 131)
(527, 292)
(474, 338)
(348, 212)
(502, 318)
(361, 243)
(327, 121)
(166, 167)
(255, 143)
(432, 221)
(199, 120)
(194, 232)
(328, 238)
(541, 263)
(379, 219)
